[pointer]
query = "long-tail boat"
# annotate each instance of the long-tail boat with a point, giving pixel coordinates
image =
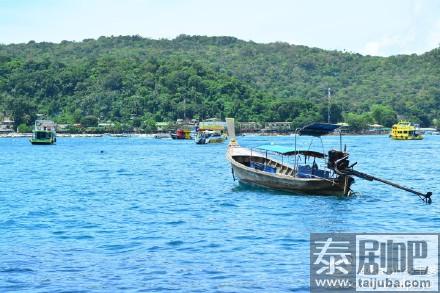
(258, 166)
(302, 173)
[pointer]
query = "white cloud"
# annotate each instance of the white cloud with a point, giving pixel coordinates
(418, 32)
(402, 43)
(417, 7)
(372, 48)
(434, 36)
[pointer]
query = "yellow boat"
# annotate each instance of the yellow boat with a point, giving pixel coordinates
(405, 130)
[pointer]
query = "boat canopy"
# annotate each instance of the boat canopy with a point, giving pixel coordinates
(289, 151)
(318, 129)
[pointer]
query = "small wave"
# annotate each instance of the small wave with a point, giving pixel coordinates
(212, 245)
(58, 232)
(174, 223)
(154, 248)
(175, 243)
(227, 204)
(8, 223)
(248, 237)
(16, 270)
(120, 247)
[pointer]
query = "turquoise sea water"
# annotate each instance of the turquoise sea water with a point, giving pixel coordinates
(149, 215)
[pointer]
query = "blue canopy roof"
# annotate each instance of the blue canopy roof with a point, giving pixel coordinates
(276, 148)
(289, 151)
(318, 129)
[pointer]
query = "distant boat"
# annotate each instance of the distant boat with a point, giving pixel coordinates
(162, 135)
(258, 167)
(429, 131)
(209, 136)
(44, 132)
(119, 135)
(181, 134)
(405, 130)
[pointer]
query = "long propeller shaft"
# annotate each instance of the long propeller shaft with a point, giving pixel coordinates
(424, 196)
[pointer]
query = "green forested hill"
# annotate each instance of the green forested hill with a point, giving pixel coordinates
(118, 78)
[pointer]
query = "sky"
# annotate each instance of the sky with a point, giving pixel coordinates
(369, 27)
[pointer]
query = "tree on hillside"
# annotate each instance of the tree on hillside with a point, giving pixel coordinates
(335, 112)
(89, 121)
(383, 115)
(115, 78)
(436, 123)
(22, 110)
(357, 122)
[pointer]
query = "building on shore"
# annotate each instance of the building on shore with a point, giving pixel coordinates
(187, 122)
(267, 127)
(377, 129)
(213, 125)
(277, 127)
(429, 130)
(107, 124)
(250, 127)
(63, 127)
(7, 125)
(344, 128)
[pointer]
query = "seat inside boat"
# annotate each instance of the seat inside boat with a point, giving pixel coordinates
(306, 171)
(270, 166)
(266, 165)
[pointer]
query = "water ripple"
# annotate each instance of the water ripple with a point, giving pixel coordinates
(162, 215)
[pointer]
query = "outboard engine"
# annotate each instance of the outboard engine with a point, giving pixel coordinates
(337, 160)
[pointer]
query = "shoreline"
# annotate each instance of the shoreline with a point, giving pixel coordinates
(151, 135)
(24, 135)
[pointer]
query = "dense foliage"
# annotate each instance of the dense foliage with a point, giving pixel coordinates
(137, 80)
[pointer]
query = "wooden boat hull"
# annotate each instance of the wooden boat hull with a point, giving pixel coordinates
(295, 185)
(316, 186)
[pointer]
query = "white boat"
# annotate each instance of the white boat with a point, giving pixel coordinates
(162, 136)
(209, 136)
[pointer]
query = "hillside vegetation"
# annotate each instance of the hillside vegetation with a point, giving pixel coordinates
(131, 79)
